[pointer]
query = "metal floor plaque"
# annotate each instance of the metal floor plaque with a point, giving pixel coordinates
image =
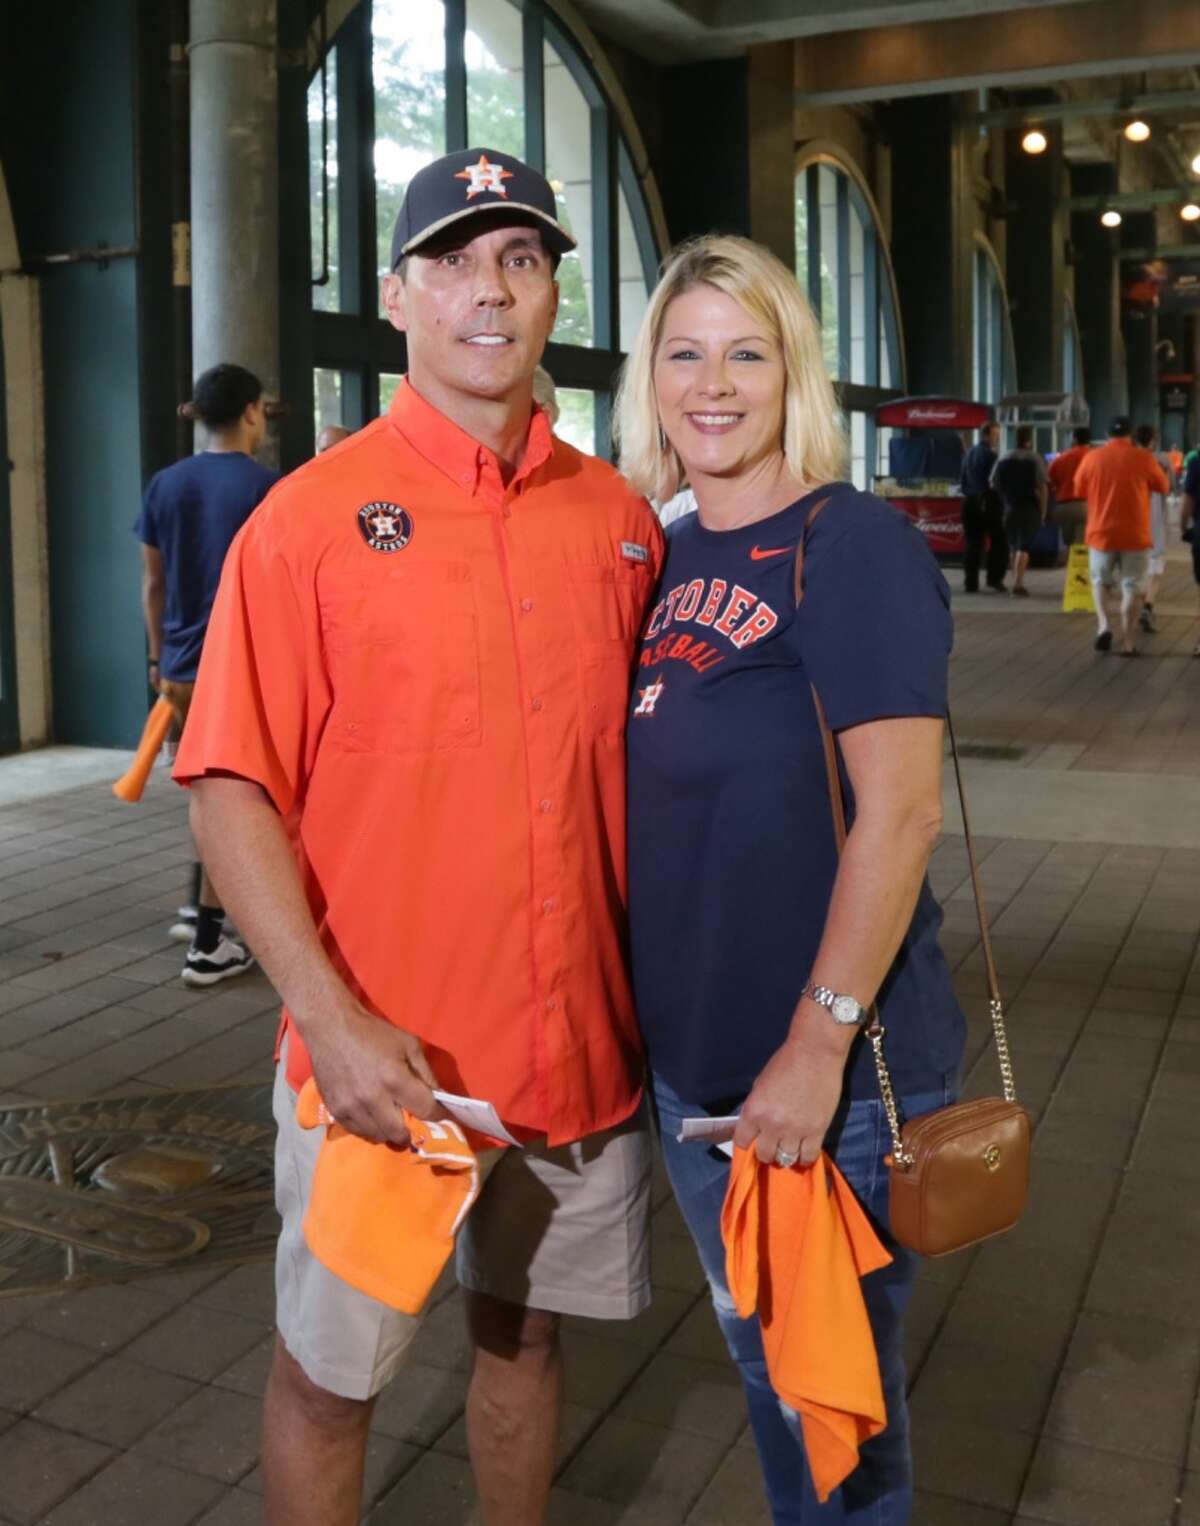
(101, 1191)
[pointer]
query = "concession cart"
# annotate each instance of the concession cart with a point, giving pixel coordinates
(925, 456)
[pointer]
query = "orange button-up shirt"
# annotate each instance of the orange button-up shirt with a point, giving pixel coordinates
(1117, 480)
(428, 674)
(1061, 472)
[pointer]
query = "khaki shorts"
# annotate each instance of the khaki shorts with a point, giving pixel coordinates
(566, 1230)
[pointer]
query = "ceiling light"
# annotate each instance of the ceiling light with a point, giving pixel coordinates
(1137, 131)
(1111, 218)
(1196, 165)
(1190, 211)
(1034, 142)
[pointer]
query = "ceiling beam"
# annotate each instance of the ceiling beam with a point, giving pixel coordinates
(1046, 46)
(1163, 252)
(1131, 201)
(1172, 102)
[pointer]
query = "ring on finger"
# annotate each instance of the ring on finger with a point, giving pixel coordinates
(786, 1158)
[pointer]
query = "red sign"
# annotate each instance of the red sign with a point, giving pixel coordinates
(939, 521)
(933, 413)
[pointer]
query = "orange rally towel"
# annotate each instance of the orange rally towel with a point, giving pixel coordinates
(796, 1245)
(383, 1217)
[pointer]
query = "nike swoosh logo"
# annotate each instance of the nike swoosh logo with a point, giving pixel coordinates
(757, 554)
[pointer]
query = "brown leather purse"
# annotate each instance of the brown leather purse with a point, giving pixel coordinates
(960, 1174)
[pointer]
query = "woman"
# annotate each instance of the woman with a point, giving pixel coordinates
(746, 929)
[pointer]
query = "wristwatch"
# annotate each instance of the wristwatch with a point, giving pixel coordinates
(843, 1009)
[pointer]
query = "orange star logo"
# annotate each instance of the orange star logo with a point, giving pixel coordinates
(484, 176)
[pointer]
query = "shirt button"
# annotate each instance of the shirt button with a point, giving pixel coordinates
(527, 605)
(545, 806)
(535, 704)
(552, 1004)
(549, 905)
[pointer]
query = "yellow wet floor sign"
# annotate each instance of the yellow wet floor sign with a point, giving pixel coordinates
(1077, 590)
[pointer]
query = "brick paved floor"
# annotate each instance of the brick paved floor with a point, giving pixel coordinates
(1054, 1373)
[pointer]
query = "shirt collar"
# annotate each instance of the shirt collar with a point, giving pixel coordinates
(474, 467)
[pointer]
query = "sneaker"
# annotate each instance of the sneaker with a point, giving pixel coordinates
(1103, 642)
(1146, 621)
(226, 960)
(998, 587)
(183, 929)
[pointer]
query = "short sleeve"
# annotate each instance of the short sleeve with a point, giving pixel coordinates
(1083, 473)
(146, 525)
(262, 692)
(874, 624)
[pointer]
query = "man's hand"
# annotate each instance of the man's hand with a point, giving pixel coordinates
(367, 1070)
(793, 1101)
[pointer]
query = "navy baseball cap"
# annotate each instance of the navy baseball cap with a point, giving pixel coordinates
(1120, 425)
(473, 183)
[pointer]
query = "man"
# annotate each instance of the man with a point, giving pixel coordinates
(1070, 511)
(1189, 513)
(332, 434)
(1146, 436)
(190, 515)
(983, 518)
(1117, 481)
(416, 691)
(1019, 477)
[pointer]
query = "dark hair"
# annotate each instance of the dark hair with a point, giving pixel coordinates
(1024, 437)
(1082, 435)
(1145, 434)
(223, 393)
(986, 429)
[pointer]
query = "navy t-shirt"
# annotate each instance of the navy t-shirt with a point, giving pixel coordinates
(191, 512)
(732, 855)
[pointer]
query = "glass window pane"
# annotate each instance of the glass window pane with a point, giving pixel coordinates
(569, 170)
(495, 76)
(577, 419)
(830, 274)
(634, 293)
(802, 230)
(322, 192)
(858, 450)
(408, 65)
(388, 382)
(857, 276)
(327, 398)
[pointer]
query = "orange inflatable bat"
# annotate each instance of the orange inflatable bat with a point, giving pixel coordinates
(131, 783)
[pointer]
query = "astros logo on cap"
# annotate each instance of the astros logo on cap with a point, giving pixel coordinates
(385, 526)
(484, 176)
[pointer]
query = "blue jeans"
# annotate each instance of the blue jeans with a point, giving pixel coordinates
(879, 1491)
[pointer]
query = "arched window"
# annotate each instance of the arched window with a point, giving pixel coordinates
(995, 370)
(399, 82)
(843, 266)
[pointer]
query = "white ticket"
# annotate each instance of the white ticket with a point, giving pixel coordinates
(715, 1131)
(477, 1115)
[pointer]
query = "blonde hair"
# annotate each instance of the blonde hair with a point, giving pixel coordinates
(813, 439)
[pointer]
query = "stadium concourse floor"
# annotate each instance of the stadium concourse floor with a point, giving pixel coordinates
(1054, 1372)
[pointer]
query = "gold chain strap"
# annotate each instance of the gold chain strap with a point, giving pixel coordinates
(900, 1157)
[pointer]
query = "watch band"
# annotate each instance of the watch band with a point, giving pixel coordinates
(828, 999)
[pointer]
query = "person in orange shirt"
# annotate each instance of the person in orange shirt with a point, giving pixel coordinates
(1117, 481)
(406, 757)
(1069, 512)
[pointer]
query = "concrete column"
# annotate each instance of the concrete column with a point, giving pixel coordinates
(1139, 328)
(1097, 299)
(932, 248)
(1036, 264)
(235, 189)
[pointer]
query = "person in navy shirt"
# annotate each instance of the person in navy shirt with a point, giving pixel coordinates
(1188, 517)
(190, 514)
(755, 953)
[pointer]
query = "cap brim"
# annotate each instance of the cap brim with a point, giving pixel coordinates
(557, 239)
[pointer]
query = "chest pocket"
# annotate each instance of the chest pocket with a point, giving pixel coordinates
(403, 651)
(607, 605)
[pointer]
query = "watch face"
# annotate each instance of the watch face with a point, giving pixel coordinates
(845, 1009)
